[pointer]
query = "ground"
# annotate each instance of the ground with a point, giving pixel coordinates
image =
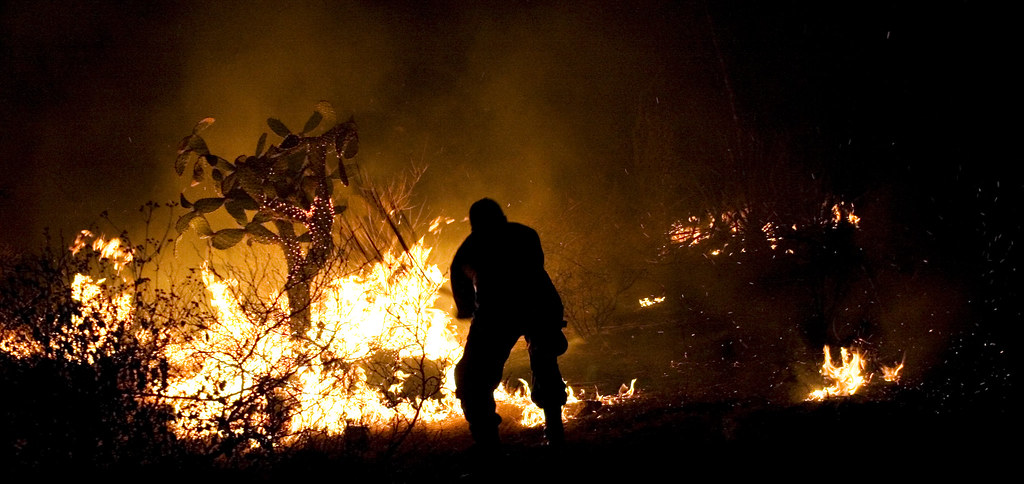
(657, 434)
(698, 417)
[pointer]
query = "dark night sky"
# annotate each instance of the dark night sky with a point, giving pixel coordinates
(537, 105)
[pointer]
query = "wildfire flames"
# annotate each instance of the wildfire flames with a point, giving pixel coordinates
(533, 416)
(93, 339)
(651, 301)
(849, 376)
(732, 232)
(731, 229)
(107, 249)
(892, 373)
(846, 378)
(378, 355)
(379, 351)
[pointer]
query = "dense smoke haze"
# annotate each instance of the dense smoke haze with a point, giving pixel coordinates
(533, 104)
(600, 123)
(514, 103)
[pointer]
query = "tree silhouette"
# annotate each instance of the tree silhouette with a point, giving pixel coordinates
(290, 186)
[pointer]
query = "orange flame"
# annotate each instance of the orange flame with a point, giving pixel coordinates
(534, 416)
(892, 373)
(376, 337)
(378, 353)
(651, 301)
(107, 249)
(734, 225)
(849, 377)
(845, 379)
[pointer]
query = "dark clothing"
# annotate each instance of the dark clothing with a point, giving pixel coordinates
(498, 278)
(499, 271)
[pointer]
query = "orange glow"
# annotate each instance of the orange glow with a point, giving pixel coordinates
(107, 249)
(378, 352)
(843, 212)
(734, 226)
(533, 416)
(892, 373)
(844, 379)
(651, 301)
(438, 223)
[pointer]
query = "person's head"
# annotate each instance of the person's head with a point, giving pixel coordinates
(485, 213)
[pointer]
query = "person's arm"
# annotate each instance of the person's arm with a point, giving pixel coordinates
(462, 285)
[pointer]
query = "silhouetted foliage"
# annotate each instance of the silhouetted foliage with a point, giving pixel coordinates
(74, 379)
(290, 185)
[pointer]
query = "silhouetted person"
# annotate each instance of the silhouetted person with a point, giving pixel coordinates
(498, 279)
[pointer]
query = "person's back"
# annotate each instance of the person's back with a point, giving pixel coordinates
(498, 279)
(498, 272)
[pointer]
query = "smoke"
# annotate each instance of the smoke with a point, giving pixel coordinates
(597, 124)
(532, 106)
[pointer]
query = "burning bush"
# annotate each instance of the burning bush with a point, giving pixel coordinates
(77, 358)
(378, 354)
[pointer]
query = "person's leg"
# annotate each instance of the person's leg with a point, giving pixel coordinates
(478, 374)
(548, 387)
(554, 430)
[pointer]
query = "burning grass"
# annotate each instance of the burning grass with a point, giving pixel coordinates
(378, 360)
(378, 353)
(850, 375)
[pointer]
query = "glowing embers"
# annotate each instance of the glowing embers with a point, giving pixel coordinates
(733, 232)
(842, 212)
(698, 230)
(18, 344)
(724, 233)
(690, 233)
(438, 223)
(651, 301)
(849, 376)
